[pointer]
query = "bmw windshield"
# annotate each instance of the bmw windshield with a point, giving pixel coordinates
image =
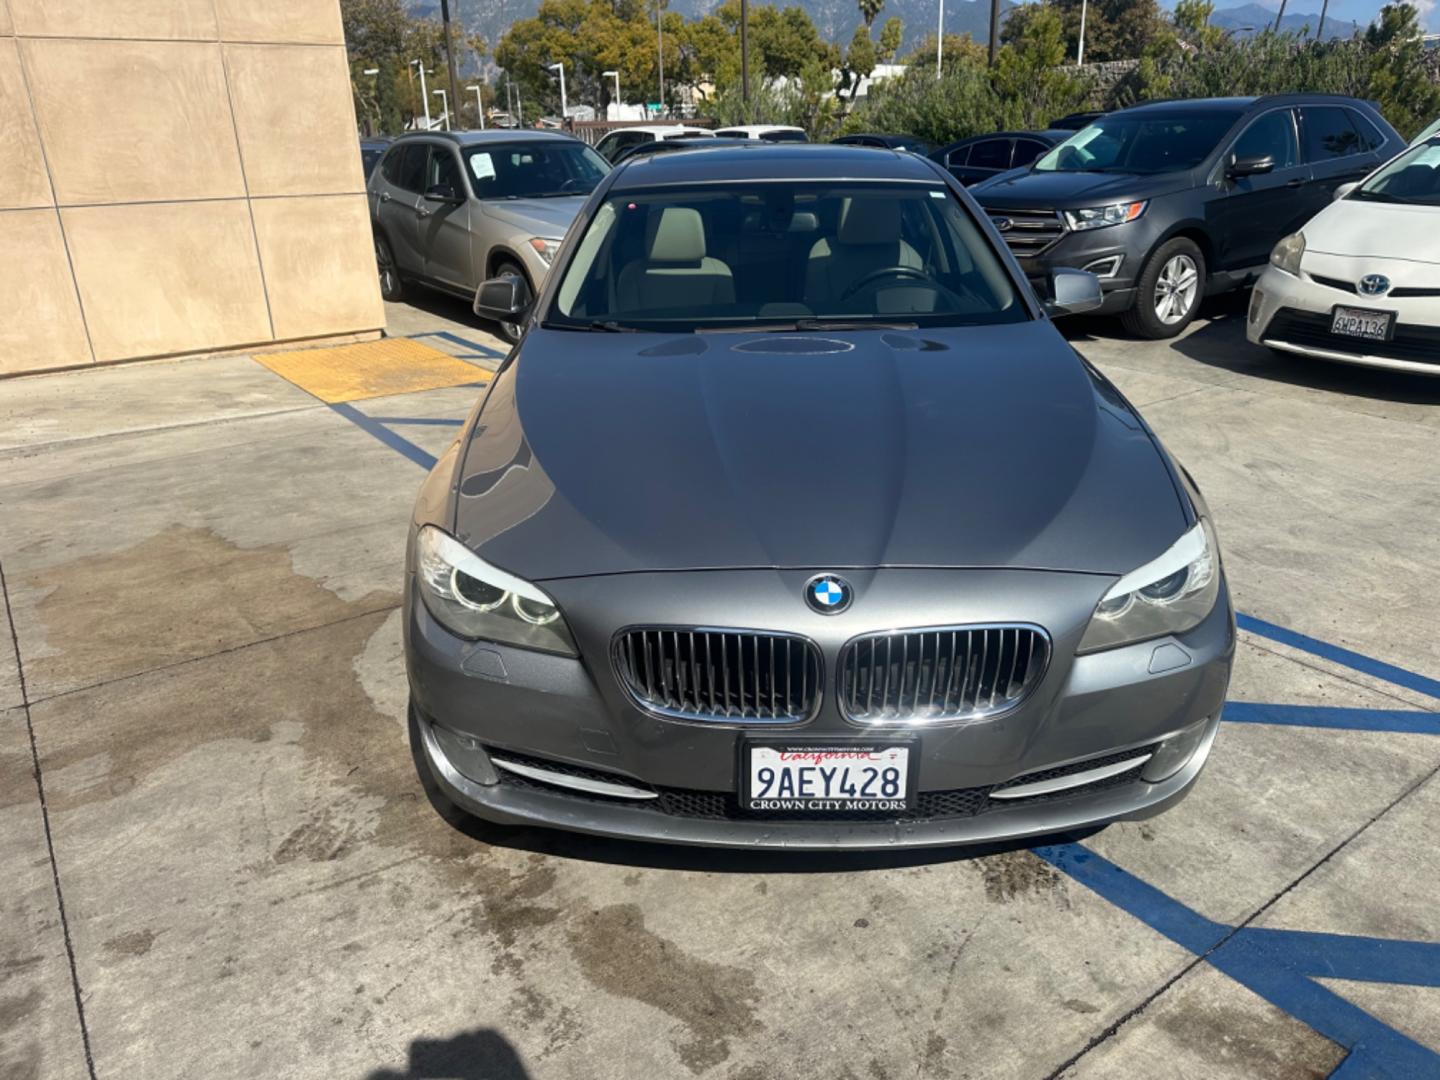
(534, 170)
(778, 255)
(1140, 144)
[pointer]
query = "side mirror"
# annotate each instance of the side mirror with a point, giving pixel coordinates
(1345, 189)
(1073, 292)
(504, 299)
(1249, 166)
(443, 193)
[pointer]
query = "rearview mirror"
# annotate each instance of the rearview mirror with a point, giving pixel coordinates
(504, 299)
(1257, 165)
(1073, 292)
(1345, 189)
(443, 193)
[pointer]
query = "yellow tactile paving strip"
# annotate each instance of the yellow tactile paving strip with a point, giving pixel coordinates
(371, 369)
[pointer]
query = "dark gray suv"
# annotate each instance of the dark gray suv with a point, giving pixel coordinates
(1169, 201)
(450, 209)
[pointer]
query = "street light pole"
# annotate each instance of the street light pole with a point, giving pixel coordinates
(1080, 50)
(660, 47)
(444, 104)
(994, 29)
(564, 112)
(479, 105)
(616, 76)
(745, 51)
(424, 94)
(940, 41)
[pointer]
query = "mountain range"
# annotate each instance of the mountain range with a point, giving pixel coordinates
(837, 19)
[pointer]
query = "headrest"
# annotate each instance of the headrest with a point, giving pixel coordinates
(869, 221)
(677, 235)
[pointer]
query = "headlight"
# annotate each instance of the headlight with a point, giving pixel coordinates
(545, 248)
(1288, 253)
(1168, 595)
(1100, 216)
(473, 599)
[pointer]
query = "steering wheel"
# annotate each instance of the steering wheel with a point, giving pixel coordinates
(571, 184)
(903, 272)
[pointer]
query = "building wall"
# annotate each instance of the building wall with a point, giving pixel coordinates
(177, 176)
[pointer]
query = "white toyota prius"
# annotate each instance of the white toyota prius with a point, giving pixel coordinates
(1360, 283)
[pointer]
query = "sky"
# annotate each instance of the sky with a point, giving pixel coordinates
(1360, 11)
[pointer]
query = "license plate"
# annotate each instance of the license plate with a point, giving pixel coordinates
(1362, 323)
(780, 776)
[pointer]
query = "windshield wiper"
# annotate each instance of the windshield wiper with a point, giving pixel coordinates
(610, 326)
(805, 326)
(1378, 196)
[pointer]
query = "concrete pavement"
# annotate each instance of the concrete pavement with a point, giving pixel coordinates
(203, 563)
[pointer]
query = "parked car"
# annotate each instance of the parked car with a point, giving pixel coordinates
(691, 573)
(1170, 201)
(451, 209)
(764, 132)
(1077, 120)
(665, 146)
(371, 151)
(621, 139)
(1360, 282)
(982, 156)
(893, 142)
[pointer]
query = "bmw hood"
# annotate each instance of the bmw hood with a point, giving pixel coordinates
(959, 447)
(1376, 231)
(1030, 190)
(539, 217)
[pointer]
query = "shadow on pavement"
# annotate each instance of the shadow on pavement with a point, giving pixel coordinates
(483, 1054)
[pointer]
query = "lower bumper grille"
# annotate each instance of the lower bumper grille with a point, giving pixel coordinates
(1311, 330)
(744, 676)
(725, 805)
(915, 676)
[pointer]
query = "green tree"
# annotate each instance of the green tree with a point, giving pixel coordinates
(959, 49)
(870, 11)
(1398, 79)
(859, 63)
(382, 35)
(891, 35)
(1114, 29)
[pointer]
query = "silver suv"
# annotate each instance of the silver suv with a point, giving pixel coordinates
(451, 209)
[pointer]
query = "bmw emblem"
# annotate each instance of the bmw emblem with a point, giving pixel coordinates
(828, 594)
(1374, 285)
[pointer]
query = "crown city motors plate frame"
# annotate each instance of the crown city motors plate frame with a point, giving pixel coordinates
(828, 776)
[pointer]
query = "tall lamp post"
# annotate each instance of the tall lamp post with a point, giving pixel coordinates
(564, 112)
(1080, 49)
(660, 47)
(479, 105)
(424, 94)
(445, 105)
(940, 41)
(449, 50)
(745, 51)
(994, 29)
(616, 76)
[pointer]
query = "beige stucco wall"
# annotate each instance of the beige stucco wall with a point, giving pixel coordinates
(177, 176)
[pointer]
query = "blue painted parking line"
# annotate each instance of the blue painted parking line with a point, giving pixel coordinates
(1281, 965)
(418, 421)
(1347, 657)
(396, 442)
(477, 351)
(1338, 719)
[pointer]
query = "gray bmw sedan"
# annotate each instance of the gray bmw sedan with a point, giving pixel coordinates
(793, 521)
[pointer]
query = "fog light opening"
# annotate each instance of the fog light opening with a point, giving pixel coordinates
(1175, 753)
(465, 755)
(1257, 301)
(1107, 267)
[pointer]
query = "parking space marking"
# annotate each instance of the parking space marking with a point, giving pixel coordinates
(372, 369)
(477, 351)
(1280, 966)
(418, 421)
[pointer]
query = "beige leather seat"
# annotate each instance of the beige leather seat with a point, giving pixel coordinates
(867, 240)
(676, 272)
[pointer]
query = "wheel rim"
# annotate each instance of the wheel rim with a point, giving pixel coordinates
(387, 268)
(1176, 289)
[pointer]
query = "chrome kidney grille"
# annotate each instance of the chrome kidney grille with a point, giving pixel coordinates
(739, 676)
(948, 673)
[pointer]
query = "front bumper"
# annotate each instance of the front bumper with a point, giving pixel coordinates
(1115, 254)
(1292, 313)
(477, 702)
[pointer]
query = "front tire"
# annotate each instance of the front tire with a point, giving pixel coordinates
(1168, 291)
(392, 286)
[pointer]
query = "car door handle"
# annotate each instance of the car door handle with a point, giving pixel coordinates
(420, 211)
(1297, 182)
(384, 196)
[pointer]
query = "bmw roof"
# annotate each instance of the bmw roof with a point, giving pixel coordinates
(773, 161)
